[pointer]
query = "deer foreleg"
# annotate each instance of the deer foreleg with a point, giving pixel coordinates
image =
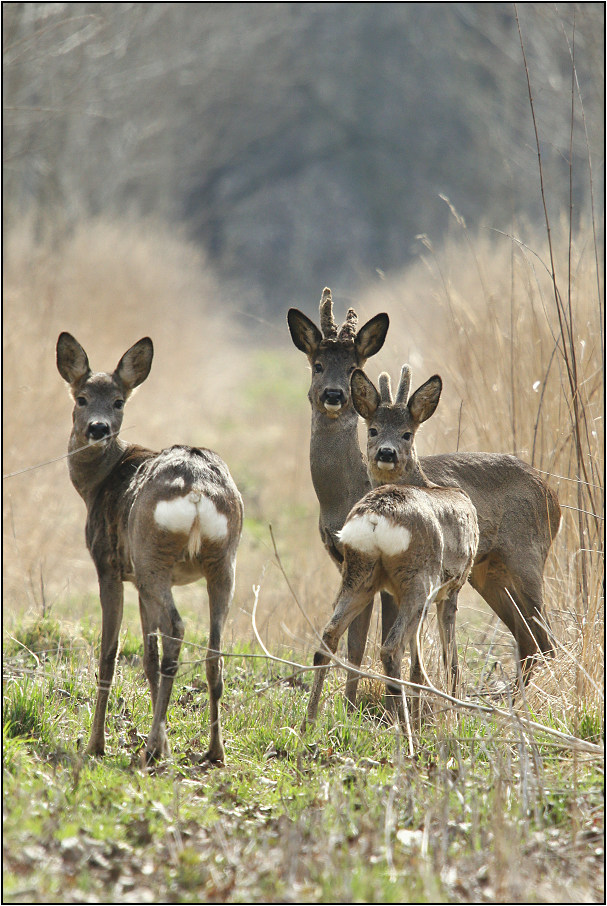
(111, 595)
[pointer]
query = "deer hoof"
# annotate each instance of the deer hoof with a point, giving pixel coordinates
(214, 757)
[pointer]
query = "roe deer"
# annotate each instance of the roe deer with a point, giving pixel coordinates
(339, 473)
(518, 513)
(411, 537)
(154, 519)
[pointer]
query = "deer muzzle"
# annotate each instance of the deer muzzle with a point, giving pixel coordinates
(97, 431)
(332, 400)
(386, 458)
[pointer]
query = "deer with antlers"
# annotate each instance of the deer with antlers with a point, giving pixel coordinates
(518, 513)
(408, 536)
(339, 472)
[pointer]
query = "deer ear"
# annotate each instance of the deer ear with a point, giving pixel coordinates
(370, 338)
(365, 397)
(135, 364)
(425, 399)
(304, 333)
(72, 360)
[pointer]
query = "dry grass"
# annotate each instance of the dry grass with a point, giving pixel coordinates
(481, 313)
(495, 338)
(109, 284)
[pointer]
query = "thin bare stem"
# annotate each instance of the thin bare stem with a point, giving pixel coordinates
(49, 462)
(565, 739)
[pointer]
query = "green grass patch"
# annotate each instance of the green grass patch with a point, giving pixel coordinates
(344, 815)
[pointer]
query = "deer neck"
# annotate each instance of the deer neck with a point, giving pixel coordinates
(413, 475)
(337, 467)
(89, 467)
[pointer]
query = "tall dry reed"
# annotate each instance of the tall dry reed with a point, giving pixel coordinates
(481, 312)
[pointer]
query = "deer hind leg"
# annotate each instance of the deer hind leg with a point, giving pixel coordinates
(220, 587)
(158, 612)
(350, 602)
(532, 634)
(514, 593)
(151, 660)
(403, 633)
(357, 639)
(111, 595)
(446, 611)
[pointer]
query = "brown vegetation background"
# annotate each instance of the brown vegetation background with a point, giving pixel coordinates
(478, 312)
(94, 245)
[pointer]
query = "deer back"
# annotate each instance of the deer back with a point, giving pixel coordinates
(411, 529)
(145, 510)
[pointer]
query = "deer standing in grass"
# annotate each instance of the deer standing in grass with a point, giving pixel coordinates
(518, 514)
(408, 536)
(339, 473)
(154, 519)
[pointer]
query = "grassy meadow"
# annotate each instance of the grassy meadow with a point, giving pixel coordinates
(492, 807)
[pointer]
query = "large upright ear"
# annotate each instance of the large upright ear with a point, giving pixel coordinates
(304, 333)
(425, 399)
(365, 397)
(370, 338)
(72, 360)
(135, 364)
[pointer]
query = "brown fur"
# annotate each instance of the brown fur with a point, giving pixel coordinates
(338, 470)
(121, 485)
(418, 541)
(517, 510)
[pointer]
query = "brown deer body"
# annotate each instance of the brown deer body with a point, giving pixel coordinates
(337, 466)
(518, 513)
(154, 519)
(409, 537)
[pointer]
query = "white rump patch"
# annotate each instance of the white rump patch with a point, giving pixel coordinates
(213, 524)
(373, 534)
(193, 514)
(176, 515)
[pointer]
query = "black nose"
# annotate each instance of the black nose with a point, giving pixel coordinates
(333, 397)
(386, 454)
(98, 430)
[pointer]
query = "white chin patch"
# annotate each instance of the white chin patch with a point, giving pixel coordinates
(386, 466)
(332, 407)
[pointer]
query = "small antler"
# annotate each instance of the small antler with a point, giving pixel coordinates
(402, 394)
(385, 388)
(327, 321)
(347, 331)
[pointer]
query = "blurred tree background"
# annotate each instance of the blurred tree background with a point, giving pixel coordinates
(301, 144)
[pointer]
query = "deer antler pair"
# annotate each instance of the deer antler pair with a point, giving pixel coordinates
(329, 328)
(402, 394)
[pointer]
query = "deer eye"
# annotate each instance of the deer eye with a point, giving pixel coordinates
(81, 400)
(372, 432)
(119, 404)
(317, 367)
(407, 435)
